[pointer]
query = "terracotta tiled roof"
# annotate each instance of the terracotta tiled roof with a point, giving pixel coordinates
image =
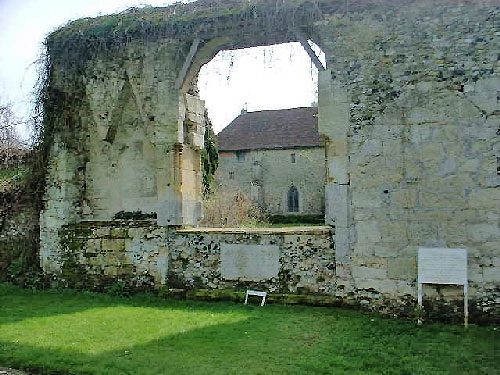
(284, 128)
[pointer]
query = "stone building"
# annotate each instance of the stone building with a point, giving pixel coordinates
(277, 158)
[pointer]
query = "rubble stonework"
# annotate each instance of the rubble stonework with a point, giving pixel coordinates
(95, 254)
(408, 107)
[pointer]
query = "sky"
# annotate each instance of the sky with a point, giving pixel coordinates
(255, 79)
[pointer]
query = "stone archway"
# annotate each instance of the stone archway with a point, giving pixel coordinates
(137, 127)
(409, 109)
(191, 108)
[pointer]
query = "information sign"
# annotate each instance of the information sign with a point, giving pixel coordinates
(443, 266)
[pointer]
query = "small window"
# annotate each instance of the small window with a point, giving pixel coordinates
(293, 199)
(498, 165)
(292, 157)
(231, 175)
(240, 155)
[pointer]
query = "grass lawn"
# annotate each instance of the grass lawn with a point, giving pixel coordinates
(84, 333)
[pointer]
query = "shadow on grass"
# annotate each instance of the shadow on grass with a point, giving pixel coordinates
(274, 339)
(17, 304)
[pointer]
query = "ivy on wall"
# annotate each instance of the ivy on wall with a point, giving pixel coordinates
(209, 158)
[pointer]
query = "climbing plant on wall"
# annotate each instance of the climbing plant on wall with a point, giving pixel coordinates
(209, 157)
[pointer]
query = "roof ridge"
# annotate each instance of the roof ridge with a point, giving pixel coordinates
(281, 128)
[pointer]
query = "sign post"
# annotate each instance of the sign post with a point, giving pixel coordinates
(443, 266)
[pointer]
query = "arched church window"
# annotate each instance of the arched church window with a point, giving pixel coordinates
(293, 199)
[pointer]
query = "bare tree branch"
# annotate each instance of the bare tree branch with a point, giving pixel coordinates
(8, 124)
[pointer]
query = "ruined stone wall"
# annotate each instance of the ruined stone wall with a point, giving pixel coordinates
(18, 236)
(19, 214)
(408, 106)
(267, 175)
(290, 260)
(127, 147)
(411, 110)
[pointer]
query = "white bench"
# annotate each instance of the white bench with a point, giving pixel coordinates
(256, 293)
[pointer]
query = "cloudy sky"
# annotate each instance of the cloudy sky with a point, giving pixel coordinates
(255, 79)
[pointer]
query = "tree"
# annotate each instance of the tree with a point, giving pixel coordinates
(8, 123)
(209, 157)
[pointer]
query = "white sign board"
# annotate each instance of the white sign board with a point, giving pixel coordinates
(442, 266)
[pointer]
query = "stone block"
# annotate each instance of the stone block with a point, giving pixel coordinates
(336, 147)
(333, 107)
(381, 286)
(404, 198)
(102, 232)
(443, 199)
(386, 132)
(475, 273)
(492, 181)
(491, 274)
(368, 232)
(362, 250)
(385, 250)
(394, 231)
(402, 268)
(113, 244)
(136, 232)
(291, 239)
(361, 164)
(162, 268)
(363, 273)
(363, 214)
(452, 233)
(368, 261)
(336, 205)
(191, 212)
(342, 245)
(392, 147)
(406, 288)
(197, 140)
(367, 198)
(338, 169)
(118, 233)
(111, 270)
(93, 247)
(169, 212)
(483, 232)
(420, 232)
(484, 94)
(195, 104)
(371, 147)
(484, 198)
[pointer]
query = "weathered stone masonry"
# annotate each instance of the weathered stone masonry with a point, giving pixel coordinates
(408, 106)
(288, 260)
(412, 119)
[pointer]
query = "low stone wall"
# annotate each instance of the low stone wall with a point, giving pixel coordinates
(287, 260)
(96, 254)
(284, 260)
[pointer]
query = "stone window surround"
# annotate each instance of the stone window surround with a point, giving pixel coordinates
(293, 200)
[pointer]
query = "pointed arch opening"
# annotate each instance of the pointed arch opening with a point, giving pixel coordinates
(293, 199)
